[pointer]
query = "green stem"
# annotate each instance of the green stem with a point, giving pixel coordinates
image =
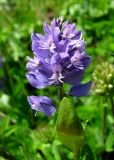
(104, 122)
(112, 105)
(60, 94)
(7, 74)
(75, 156)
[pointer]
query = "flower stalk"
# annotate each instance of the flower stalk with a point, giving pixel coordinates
(60, 94)
(75, 156)
(60, 57)
(104, 123)
(112, 106)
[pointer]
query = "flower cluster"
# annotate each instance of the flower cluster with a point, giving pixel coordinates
(103, 78)
(59, 57)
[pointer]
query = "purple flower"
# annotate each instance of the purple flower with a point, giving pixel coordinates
(80, 89)
(42, 104)
(59, 57)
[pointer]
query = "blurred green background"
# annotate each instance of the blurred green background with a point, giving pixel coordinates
(24, 136)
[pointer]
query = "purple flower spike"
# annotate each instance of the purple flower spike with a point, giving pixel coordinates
(42, 104)
(59, 57)
(57, 54)
(80, 90)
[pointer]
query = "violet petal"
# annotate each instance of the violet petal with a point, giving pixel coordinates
(80, 90)
(42, 104)
(73, 77)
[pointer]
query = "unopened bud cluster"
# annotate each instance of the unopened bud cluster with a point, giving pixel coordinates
(103, 77)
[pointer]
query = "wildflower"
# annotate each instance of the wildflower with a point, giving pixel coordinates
(59, 57)
(42, 104)
(103, 78)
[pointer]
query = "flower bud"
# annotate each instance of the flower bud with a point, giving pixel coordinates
(103, 78)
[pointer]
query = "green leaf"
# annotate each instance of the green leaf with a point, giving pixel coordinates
(1, 158)
(26, 154)
(56, 152)
(69, 128)
(110, 142)
(86, 153)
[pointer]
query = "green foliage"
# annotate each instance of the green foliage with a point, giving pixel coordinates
(69, 128)
(86, 153)
(24, 135)
(110, 142)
